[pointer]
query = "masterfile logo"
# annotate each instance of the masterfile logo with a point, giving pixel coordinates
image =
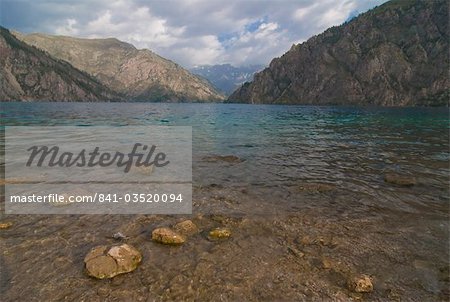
(52, 157)
(98, 170)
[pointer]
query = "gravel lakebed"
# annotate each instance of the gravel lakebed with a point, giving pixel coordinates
(306, 242)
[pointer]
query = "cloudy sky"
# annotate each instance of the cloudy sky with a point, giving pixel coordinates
(190, 32)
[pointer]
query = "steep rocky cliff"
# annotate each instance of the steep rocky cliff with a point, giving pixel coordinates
(393, 55)
(136, 74)
(29, 74)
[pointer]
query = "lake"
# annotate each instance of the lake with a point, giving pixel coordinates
(283, 178)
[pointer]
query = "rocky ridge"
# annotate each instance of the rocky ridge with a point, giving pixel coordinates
(30, 74)
(137, 74)
(393, 55)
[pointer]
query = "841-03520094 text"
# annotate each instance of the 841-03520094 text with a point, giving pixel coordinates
(100, 198)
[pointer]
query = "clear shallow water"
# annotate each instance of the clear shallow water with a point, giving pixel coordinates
(283, 146)
(362, 225)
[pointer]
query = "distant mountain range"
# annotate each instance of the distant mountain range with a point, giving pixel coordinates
(226, 77)
(116, 69)
(396, 54)
(393, 55)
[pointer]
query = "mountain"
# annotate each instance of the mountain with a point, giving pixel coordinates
(226, 77)
(27, 74)
(393, 55)
(136, 74)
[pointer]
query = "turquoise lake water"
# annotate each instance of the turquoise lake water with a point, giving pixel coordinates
(284, 145)
(296, 178)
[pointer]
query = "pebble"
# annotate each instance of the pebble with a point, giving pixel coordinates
(5, 225)
(360, 284)
(219, 233)
(296, 252)
(119, 236)
(400, 180)
(143, 170)
(167, 236)
(104, 262)
(326, 263)
(186, 228)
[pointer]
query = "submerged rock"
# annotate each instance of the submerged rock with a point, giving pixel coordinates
(306, 240)
(327, 263)
(219, 233)
(186, 228)
(167, 236)
(296, 252)
(102, 267)
(225, 158)
(444, 274)
(106, 262)
(126, 256)
(400, 180)
(143, 170)
(316, 187)
(5, 225)
(119, 236)
(360, 284)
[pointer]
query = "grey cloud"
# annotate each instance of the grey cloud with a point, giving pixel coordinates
(189, 32)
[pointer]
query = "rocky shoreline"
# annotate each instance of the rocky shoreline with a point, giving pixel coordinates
(236, 247)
